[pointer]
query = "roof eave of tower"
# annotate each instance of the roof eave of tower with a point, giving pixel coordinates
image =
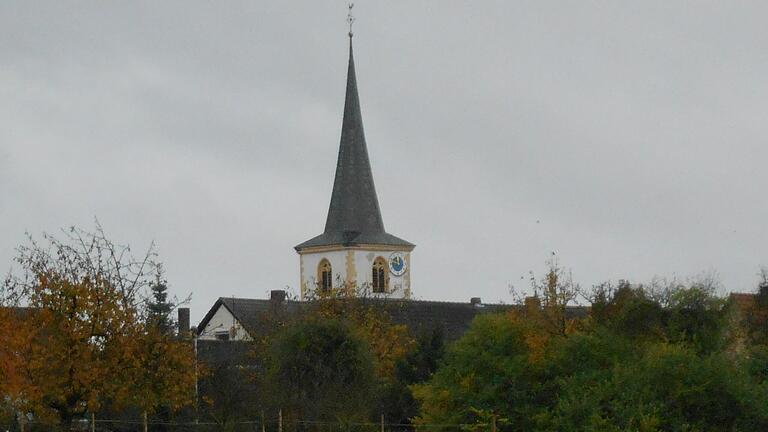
(346, 240)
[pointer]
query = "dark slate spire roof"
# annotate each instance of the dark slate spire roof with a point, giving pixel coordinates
(353, 216)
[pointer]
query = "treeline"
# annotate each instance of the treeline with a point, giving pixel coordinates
(86, 333)
(660, 357)
(642, 360)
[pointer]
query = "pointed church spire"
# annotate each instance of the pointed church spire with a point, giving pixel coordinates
(353, 215)
(354, 204)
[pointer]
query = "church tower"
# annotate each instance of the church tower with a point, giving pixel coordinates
(355, 251)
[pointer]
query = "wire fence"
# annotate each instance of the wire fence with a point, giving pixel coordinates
(138, 425)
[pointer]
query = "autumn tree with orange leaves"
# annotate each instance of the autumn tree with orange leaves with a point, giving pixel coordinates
(11, 341)
(81, 338)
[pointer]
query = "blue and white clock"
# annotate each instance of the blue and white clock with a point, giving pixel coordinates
(397, 263)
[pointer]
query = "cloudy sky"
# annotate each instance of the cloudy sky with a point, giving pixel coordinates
(629, 137)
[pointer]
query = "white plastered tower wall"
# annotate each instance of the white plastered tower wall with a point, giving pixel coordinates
(354, 265)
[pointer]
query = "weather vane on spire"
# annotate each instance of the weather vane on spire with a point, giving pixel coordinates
(350, 18)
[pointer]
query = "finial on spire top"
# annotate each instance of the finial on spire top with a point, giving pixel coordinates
(350, 19)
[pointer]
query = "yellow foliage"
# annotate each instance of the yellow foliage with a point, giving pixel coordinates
(538, 329)
(435, 404)
(389, 342)
(82, 345)
(11, 343)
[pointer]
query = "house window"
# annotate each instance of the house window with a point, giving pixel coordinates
(324, 276)
(222, 335)
(379, 277)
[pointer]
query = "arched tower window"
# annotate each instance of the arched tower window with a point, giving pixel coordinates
(324, 275)
(380, 277)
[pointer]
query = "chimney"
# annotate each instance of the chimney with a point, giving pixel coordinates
(475, 301)
(183, 321)
(277, 296)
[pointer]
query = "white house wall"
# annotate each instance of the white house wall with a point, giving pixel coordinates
(223, 320)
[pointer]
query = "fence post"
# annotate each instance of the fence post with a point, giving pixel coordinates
(22, 423)
(493, 423)
(263, 426)
(145, 421)
(382, 423)
(93, 422)
(280, 420)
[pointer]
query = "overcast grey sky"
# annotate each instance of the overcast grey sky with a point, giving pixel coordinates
(630, 137)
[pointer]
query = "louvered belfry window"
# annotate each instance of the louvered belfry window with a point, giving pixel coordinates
(325, 275)
(379, 276)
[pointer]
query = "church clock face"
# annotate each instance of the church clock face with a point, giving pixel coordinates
(397, 263)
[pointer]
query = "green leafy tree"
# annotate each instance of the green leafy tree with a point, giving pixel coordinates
(692, 313)
(397, 403)
(754, 317)
(697, 317)
(665, 387)
(486, 370)
(421, 362)
(628, 311)
(321, 370)
(642, 362)
(229, 393)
